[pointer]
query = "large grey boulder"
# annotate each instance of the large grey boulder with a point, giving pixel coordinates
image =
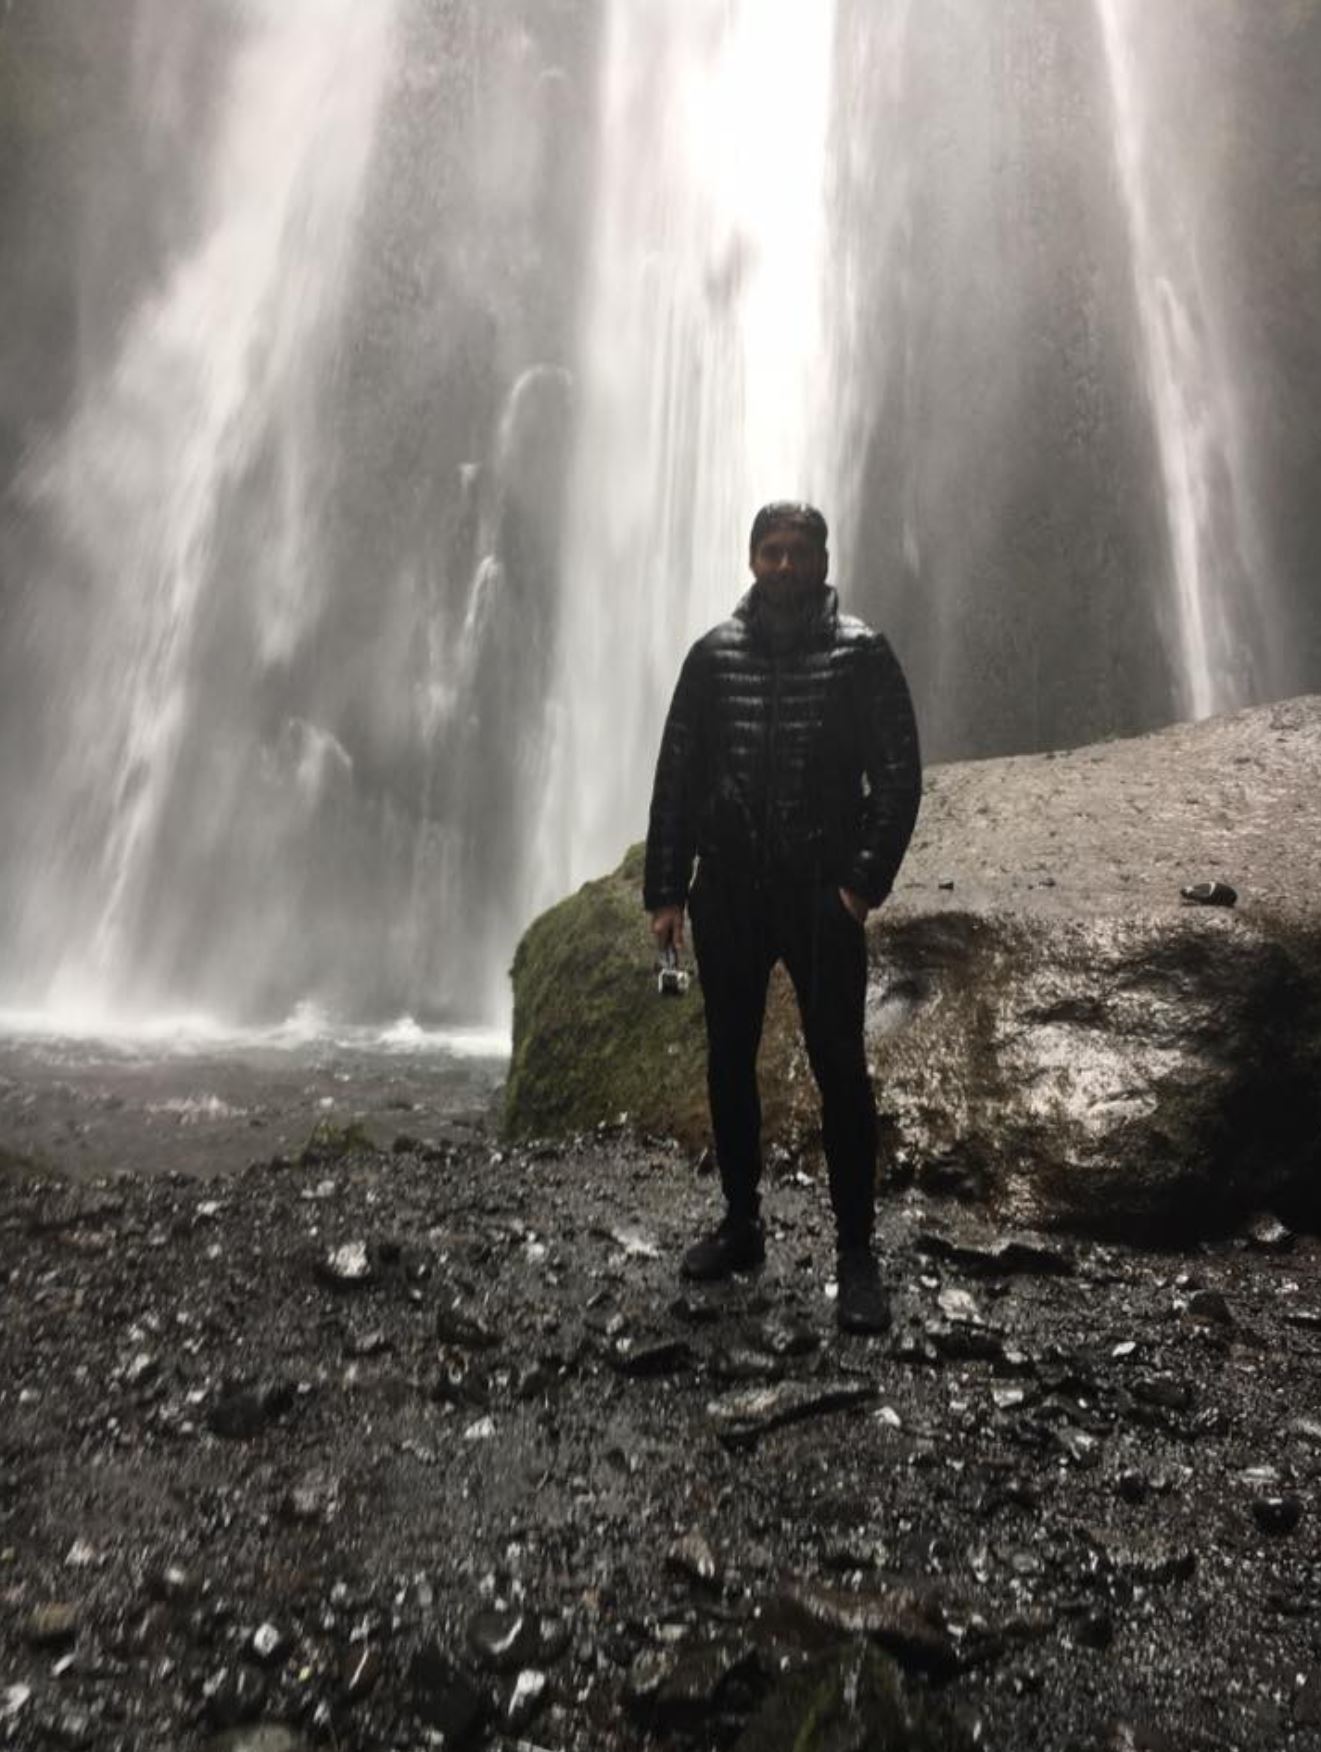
(1053, 1030)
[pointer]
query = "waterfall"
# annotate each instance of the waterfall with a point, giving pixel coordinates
(411, 372)
(701, 392)
(210, 408)
(1222, 632)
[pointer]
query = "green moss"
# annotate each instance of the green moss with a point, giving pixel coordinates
(331, 1141)
(856, 1699)
(593, 1040)
(17, 1165)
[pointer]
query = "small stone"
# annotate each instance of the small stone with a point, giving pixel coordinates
(348, 1267)
(731, 1365)
(963, 1342)
(634, 1244)
(173, 1584)
(959, 1306)
(1133, 1487)
(461, 1380)
(1267, 1234)
(502, 1641)
(1208, 894)
(141, 1370)
(693, 1557)
(370, 1343)
(680, 1693)
(850, 1555)
(261, 1737)
(444, 1696)
(1082, 1448)
(641, 1358)
(782, 1336)
(1307, 1701)
(532, 1382)
(310, 1499)
(244, 1410)
(997, 1255)
(459, 1326)
(74, 1729)
(233, 1695)
(14, 1699)
(360, 1672)
(1164, 1392)
(269, 1645)
(554, 1638)
(1210, 1307)
(526, 1698)
(695, 1309)
(740, 1418)
(1008, 1395)
(905, 1623)
(53, 1626)
(1277, 1516)
(1095, 1629)
(916, 1349)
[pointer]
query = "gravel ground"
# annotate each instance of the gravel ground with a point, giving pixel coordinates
(390, 1450)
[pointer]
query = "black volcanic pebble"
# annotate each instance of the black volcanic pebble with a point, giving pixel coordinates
(1277, 1515)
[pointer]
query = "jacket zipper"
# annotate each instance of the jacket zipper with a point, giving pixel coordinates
(772, 738)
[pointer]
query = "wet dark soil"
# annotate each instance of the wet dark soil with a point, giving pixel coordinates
(380, 1446)
(94, 1107)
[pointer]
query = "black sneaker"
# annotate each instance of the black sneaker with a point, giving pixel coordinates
(862, 1304)
(736, 1244)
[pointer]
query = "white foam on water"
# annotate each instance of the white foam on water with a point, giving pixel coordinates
(306, 1028)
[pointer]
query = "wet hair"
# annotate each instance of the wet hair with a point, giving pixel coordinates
(787, 511)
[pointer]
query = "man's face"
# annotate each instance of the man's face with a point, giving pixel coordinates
(788, 563)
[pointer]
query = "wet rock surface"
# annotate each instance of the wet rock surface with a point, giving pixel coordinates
(1057, 1035)
(1054, 1508)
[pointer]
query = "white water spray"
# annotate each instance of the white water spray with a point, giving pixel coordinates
(701, 394)
(215, 382)
(1215, 558)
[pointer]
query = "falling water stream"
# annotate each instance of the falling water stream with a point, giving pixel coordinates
(1215, 556)
(703, 329)
(359, 568)
(214, 386)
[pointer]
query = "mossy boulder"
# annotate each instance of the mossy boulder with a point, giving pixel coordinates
(854, 1700)
(1053, 1029)
(332, 1140)
(17, 1165)
(595, 1044)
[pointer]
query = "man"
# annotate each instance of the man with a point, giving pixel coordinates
(789, 770)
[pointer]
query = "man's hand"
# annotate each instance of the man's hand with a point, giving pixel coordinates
(667, 928)
(854, 902)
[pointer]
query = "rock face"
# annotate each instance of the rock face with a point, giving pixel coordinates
(1053, 1030)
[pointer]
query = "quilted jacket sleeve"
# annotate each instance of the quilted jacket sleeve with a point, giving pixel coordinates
(892, 771)
(672, 827)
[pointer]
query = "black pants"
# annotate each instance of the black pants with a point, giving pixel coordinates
(739, 933)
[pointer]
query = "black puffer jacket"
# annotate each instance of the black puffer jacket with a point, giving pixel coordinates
(789, 753)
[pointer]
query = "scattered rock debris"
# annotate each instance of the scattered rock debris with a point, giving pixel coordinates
(486, 1475)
